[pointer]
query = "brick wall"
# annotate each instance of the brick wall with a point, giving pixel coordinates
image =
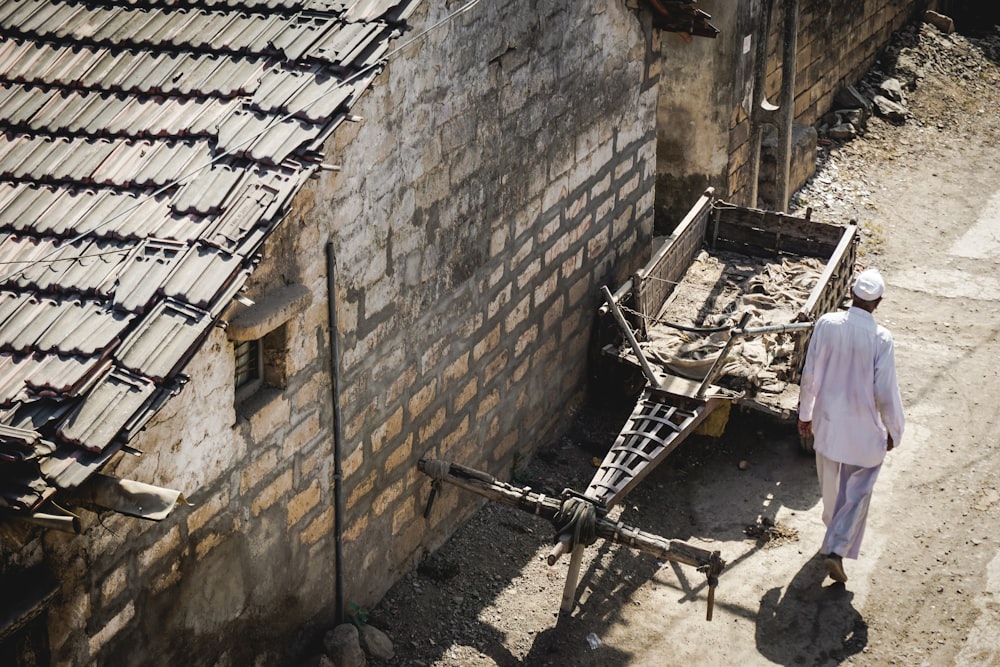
(838, 41)
(503, 189)
(503, 171)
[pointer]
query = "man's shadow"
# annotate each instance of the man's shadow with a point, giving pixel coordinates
(811, 624)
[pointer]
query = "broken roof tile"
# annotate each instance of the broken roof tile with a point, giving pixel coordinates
(163, 340)
(205, 193)
(198, 273)
(98, 421)
(150, 148)
(141, 275)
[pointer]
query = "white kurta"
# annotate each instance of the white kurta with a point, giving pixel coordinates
(849, 389)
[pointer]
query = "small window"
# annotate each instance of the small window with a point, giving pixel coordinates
(248, 366)
(260, 363)
(259, 332)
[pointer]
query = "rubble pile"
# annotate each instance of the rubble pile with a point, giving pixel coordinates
(916, 52)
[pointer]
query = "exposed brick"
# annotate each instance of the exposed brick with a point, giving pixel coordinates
(495, 367)
(623, 167)
(208, 507)
(401, 453)
(517, 314)
(304, 431)
(558, 247)
(499, 301)
(401, 385)
(455, 436)
(422, 398)
(628, 187)
(355, 528)
(387, 497)
(486, 344)
(272, 493)
(600, 187)
(572, 264)
(553, 315)
(353, 461)
(576, 206)
(524, 219)
(111, 628)
(554, 193)
(434, 354)
(527, 274)
(487, 404)
(387, 430)
(404, 515)
(525, 340)
(433, 424)
(362, 487)
(544, 290)
(268, 418)
(465, 394)
(622, 224)
(113, 583)
(164, 545)
(597, 245)
(496, 276)
(302, 502)
(320, 527)
(206, 544)
(520, 371)
(456, 368)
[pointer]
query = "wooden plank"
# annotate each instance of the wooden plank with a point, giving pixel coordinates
(766, 244)
(655, 281)
(828, 294)
(779, 223)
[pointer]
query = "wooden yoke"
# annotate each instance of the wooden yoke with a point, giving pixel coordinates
(554, 510)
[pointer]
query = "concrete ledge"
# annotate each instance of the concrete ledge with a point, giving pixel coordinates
(268, 313)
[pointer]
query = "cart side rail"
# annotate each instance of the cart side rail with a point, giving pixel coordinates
(752, 231)
(654, 282)
(830, 291)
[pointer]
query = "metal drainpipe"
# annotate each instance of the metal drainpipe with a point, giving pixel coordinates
(338, 504)
(786, 125)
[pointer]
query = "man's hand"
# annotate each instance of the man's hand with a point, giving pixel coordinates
(889, 444)
(806, 430)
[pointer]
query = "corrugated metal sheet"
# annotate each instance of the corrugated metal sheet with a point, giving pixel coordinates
(149, 149)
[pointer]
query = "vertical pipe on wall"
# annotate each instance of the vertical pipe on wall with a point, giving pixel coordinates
(338, 505)
(786, 124)
(760, 108)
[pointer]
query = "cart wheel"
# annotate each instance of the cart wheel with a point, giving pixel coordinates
(807, 444)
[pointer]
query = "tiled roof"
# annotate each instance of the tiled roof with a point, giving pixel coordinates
(147, 150)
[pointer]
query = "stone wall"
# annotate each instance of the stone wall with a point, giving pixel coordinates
(512, 177)
(706, 91)
(838, 41)
(502, 171)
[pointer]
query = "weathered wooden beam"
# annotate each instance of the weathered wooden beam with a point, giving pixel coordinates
(548, 507)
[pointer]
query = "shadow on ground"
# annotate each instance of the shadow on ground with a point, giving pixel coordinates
(810, 624)
(485, 599)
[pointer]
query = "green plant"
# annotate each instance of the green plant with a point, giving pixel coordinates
(358, 614)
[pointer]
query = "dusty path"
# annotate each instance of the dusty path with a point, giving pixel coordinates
(926, 590)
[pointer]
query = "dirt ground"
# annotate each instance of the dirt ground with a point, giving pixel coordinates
(926, 588)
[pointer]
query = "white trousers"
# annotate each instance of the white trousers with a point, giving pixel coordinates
(847, 492)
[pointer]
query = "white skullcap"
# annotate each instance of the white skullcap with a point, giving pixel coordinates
(869, 285)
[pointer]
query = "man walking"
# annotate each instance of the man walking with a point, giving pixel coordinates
(849, 400)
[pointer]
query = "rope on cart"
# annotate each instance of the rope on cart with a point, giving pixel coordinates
(577, 517)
